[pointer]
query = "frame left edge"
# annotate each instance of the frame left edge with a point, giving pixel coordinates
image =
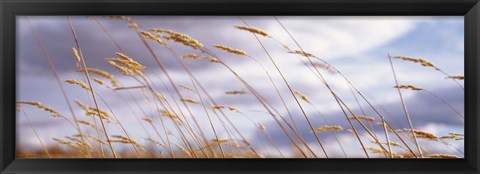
(7, 94)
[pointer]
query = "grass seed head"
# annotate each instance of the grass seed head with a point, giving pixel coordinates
(456, 134)
(169, 115)
(219, 141)
(411, 87)
(79, 83)
(459, 77)
(217, 106)
(302, 53)
(442, 156)
(52, 111)
(230, 50)
(132, 25)
(75, 53)
(235, 92)
(151, 36)
(85, 122)
(103, 74)
(328, 128)
(420, 134)
(233, 109)
(253, 30)
(183, 149)
(198, 57)
(126, 65)
(421, 61)
(179, 37)
(149, 120)
(323, 66)
(58, 140)
(99, 81)
(91, 111)
(124, 140)
(185, 87)
(189, 100)
(302, 96)
(453, 136)
(394, 144)
(262, 126)
(362, 117)
(380, 151)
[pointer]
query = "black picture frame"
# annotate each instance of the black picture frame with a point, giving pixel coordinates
(470, 9)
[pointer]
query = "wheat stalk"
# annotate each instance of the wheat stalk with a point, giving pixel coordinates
(84, 65)
(404, 106)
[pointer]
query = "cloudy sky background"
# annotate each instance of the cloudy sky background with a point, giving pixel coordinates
(357, 46)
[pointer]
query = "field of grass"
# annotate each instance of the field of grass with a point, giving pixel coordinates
(174, 131)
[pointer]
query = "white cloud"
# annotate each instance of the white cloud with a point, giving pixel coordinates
(343, 36)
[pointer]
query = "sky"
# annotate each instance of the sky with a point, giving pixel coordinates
(357, 46)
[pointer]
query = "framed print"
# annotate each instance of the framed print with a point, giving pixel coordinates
(239, 87)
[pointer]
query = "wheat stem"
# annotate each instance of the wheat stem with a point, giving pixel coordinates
(47, 56)
(90, 85)
(407, 115)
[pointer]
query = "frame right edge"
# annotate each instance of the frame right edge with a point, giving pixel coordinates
(472, 54)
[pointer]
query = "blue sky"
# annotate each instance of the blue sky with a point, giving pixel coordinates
(357, 46)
